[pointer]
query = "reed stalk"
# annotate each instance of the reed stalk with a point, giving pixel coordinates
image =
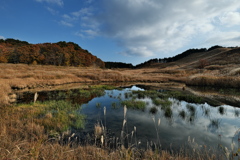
(35, 97)
(157, 128)
(105, 127)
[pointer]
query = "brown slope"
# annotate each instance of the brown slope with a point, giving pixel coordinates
(192, 61)
(222, 69)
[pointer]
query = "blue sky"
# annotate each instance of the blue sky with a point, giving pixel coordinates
(131, 31)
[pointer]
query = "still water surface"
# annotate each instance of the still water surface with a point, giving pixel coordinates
(207, 125)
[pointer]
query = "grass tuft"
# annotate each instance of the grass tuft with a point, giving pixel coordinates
(182, 114)
(54, 115)
(153, 110)
(168, 112)
(221, 110)
(134, 104)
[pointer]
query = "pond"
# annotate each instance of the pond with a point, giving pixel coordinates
(201, 123)
(166, 120)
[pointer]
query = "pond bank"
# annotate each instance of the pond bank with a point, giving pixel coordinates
(216, 97)
(22, 77)
(187, 115)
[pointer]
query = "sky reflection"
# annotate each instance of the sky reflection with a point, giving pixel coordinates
(202, 122)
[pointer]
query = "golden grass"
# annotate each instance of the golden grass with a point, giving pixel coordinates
(184, 71)
(5, 91)
(22, 76)
(55, 74)
(217, 81)
(22, 138)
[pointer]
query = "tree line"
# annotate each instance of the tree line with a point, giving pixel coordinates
(118, 65)
(60, 54)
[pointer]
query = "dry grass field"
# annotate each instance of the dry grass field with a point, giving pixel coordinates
(219, 67)
(21, 76)
(21, 138)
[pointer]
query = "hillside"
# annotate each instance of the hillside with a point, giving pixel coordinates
(60, 54)
(194, 60)
(217, 58)
(217, 67)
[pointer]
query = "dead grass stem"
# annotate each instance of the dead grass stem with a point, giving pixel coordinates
(23, 139)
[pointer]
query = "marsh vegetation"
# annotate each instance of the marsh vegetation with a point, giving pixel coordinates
(127, 123)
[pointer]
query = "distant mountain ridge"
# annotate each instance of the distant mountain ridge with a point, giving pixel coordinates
(61, 54)
(71, 54)
(176, 57)
(155, 61)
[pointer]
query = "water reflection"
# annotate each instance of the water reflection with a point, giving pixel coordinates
(221, 110)
(182, 114)
(236, 112)
(179, 120)
(214, 124)
(76, 96)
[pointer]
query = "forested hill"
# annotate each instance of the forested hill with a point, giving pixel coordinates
(61, 54)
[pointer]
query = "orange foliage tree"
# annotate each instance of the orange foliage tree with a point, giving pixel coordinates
(3, 54)
(60, 54)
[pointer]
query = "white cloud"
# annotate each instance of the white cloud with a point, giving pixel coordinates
(58, 2)
(148, 27)
(141, 50)
(231, 19)
(88, 33)
(67, 17)
(224, 39)
(82, 18)
(82, 12)
(1, 37)
(52, 11)
(66, 23)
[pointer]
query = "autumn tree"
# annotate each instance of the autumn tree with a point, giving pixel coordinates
(28, 54)
(3, 54)
(60, 54)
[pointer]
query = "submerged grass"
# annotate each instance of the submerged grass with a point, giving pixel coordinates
(162, 102)
(153, 94)
(161, 98)
(134, 104)
(168, 112)
(215, 123)
(221, 110)
(58, 116)
(182, 114)
(185, 97)
(24, 134)
(153, 110)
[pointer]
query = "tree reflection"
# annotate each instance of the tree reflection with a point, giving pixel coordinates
(168, 112)
(236, 112)
(191, 109)
(153, 110)
(182, 114)
(206, 112)
(214, 123)
(221, 110)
